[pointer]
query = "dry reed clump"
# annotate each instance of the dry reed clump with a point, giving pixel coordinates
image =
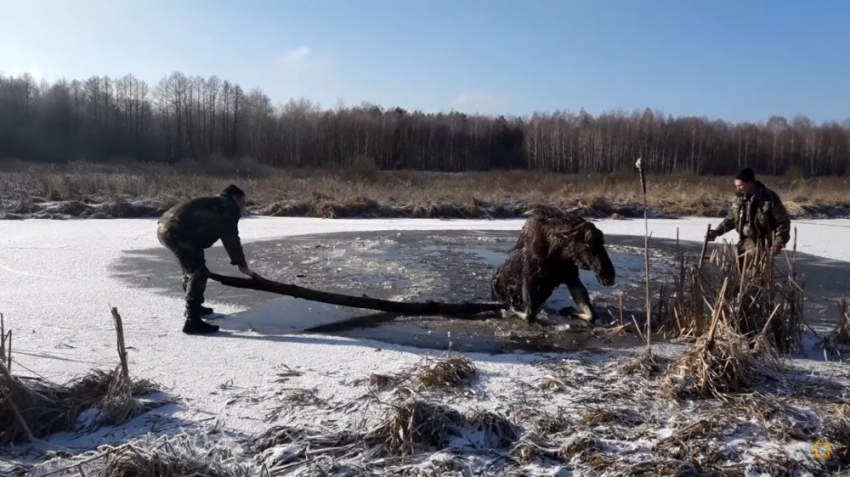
(755, 317)
(174, 457)
(407, 433)
(164, 456)
(277, 436)
(711, 369)
(605, 416)
(351, 207)
(557, 441)
(678, 468)
(449, 372)
(686, 435)
(580, 444)
(776, 416)
(497, 430)
(720, 363)
(532, 446)
(837, 343)
(777, 463)
(40, 408)
(97, 382)
(761, 302)
(601, 463)
(311, 451)
(544, 422)
(33, 408)
(646, 364)
(416, 424)
(700, 444)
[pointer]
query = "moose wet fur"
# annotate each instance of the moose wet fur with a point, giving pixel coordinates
(551, 249)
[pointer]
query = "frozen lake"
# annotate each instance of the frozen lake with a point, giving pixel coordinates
(59, 278)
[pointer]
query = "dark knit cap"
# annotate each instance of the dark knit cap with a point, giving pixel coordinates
(232, 191)
(746, 175)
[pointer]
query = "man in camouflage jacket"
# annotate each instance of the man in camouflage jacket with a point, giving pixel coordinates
(190, 227)
(757, 214)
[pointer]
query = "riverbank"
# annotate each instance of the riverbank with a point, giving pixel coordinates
(135, 190)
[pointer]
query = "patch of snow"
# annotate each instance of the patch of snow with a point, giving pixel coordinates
(57, 290)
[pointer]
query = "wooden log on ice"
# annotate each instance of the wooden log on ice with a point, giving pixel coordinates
(388, 306)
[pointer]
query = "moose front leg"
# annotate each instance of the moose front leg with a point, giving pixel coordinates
(529, 298)
(582, 300)
(529, 313)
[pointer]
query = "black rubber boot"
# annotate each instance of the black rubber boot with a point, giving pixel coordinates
(194, 325)
(199, 327)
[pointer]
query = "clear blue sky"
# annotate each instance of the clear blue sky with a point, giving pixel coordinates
(741, 60)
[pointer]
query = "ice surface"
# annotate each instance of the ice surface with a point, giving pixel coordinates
(55, 293)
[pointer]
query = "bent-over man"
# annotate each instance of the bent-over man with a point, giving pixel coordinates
(757, 214)
(190, 227)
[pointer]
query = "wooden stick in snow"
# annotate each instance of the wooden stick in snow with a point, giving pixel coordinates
(5, 344)
(122, 350)
(639, 165)
(2, 339)
(704, 248)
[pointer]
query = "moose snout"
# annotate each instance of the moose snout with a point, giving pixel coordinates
(605, 281)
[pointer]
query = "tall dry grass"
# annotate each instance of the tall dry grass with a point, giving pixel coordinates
(365, 190)
(32, 408)
(759, 296)
(837, 343)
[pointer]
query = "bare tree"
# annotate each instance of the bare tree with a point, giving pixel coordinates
(196, 117)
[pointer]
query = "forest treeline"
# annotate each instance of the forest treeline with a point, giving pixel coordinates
(192, 117)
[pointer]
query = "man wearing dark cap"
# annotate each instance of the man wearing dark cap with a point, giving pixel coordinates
(757, 214)
(190, 227)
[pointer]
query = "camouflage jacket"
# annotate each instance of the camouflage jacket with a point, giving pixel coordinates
(201, 222)
(761, 216)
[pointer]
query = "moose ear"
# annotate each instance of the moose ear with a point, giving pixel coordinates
(589, 232)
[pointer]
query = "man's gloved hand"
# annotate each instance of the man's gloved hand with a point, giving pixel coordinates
(247, 271)
(712, 235)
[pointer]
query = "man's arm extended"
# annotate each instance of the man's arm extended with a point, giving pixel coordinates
(781, 220)
(233, 244)
(728, 223)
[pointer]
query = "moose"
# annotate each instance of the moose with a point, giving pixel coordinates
(551, 248)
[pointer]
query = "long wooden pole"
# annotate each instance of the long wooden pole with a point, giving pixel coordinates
(404, 308)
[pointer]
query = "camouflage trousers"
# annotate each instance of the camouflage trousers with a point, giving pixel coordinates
(191, 260)
(749, 246)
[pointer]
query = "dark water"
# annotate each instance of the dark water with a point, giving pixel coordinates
(445, 266)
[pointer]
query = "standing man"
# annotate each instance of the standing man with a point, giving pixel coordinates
(190, 227)
(757, 214)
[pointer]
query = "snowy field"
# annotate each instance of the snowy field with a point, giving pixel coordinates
(56, 292)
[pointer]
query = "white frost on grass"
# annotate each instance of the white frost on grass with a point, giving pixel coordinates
(56, 293)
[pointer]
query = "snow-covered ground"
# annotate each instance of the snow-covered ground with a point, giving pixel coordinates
(56, 290)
